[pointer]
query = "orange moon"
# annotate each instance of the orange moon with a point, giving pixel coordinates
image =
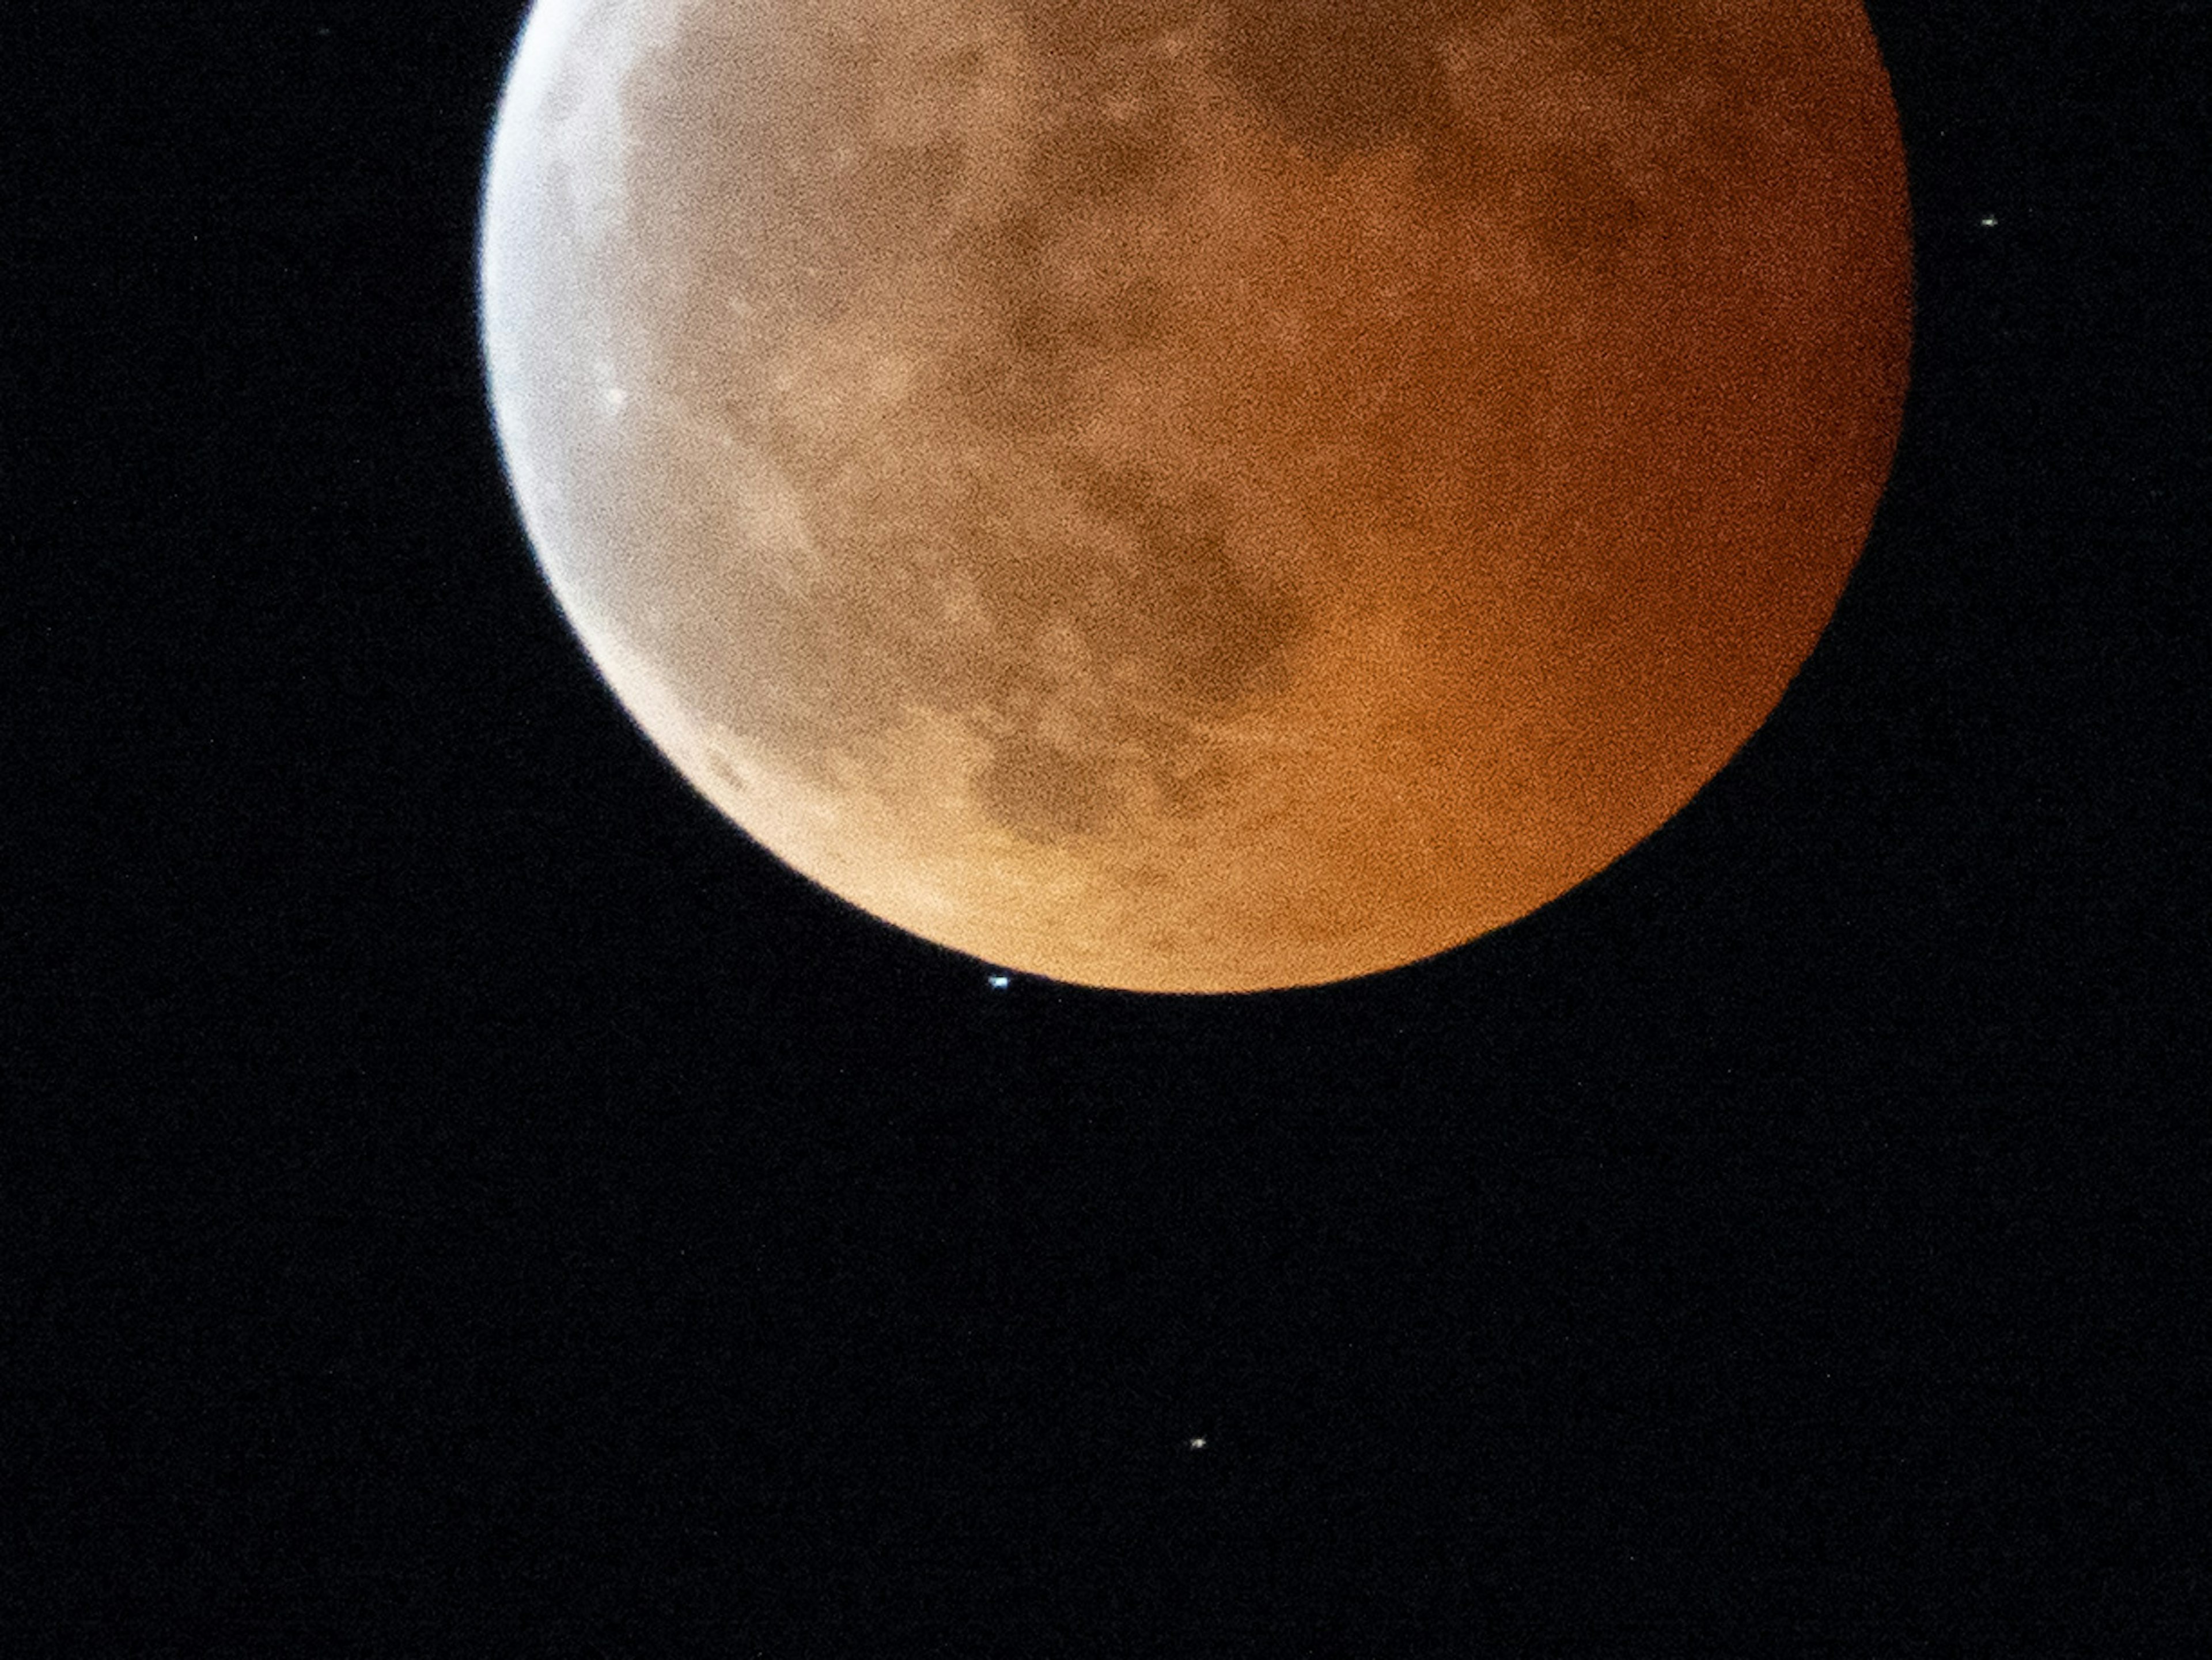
(1197, 494)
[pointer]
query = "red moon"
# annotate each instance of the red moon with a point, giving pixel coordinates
(1192, 497)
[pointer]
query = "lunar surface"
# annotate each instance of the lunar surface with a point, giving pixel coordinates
(1197, 496)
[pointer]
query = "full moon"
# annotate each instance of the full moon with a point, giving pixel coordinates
(1197, 496)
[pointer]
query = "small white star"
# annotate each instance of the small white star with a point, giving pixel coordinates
(1197, 1444)
(1001, 981)
(1988, 221)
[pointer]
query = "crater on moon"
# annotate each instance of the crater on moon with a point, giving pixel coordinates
(1197, 496)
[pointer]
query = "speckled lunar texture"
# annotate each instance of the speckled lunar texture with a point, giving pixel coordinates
(1197, 496)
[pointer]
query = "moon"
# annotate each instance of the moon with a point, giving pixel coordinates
(1197, 497)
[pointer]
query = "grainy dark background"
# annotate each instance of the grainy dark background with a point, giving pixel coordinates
(457, 1197)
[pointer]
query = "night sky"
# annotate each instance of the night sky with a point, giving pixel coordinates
(461, 1197)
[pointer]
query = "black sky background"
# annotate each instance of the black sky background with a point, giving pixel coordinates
(457, 1197)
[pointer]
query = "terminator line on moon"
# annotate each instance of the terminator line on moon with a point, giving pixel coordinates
(1197, 496)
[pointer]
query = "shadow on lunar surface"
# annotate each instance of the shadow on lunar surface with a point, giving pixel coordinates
(1168, 630)
(1085, 656)
(966, 552)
